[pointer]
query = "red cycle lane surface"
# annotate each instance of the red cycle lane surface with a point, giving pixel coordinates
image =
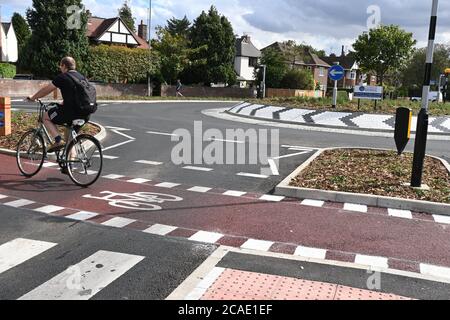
(285, 222)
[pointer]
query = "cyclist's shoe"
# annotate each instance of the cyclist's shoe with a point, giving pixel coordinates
(65, 171)
(56, 147)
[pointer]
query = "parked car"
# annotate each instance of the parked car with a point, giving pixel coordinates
(23, 77)
(432, 96)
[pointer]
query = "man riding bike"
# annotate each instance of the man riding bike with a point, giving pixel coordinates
(66, 112)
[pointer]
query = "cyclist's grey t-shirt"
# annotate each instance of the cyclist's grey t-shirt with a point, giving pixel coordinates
(68, 90)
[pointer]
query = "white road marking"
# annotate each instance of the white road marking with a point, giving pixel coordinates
(160, 230)
(208, 237)
(198, 168)
(272, 198)
(313, 203)
(106, 157)
(199, 189)
(118, 129)
(113, 176)
(49, 209)
(435, 271)
(167, 185)
(123, 135)
(19, 250)
(82, 216)
(311, 253)
(291, 155)
(86, 279)
(273, 167)
(441, 219)
(118, 145)
(118, 222)
(257, 245)
(229, 141)
(3, 196)
(139, 181)
(355, 208)
(252, 175)
(151, 163)
(19, 203)
(205, 284)
(406, 214)
(49, 165)
(233, 193)
(372, 261)
(162, 133)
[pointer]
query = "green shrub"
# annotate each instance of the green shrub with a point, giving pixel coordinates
(7, 70)
(298, 79)
(116, 64)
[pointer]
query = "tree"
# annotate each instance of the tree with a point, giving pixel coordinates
(215, 33)
(179, 27)
(51, 37)
(298, 79)
(276, 67)
(21, 28)
(126, 15)
(413, 73)
(384, 49)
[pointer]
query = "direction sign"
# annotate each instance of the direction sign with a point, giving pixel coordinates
(368, 92)
(336, 73)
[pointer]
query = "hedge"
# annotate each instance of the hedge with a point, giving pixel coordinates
(117, 64)
(7, 70)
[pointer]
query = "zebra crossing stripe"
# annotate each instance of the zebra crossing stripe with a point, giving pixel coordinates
(19, 203)
(20, 250)
(49, 209)
(118, 222)
(86, 279)
(82, 216)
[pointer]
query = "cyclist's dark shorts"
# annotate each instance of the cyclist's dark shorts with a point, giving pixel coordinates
(61, 117)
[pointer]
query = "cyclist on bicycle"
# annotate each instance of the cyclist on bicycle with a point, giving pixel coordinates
(65, 113)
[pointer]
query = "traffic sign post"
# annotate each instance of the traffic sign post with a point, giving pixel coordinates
(5, 116)
(336, 73)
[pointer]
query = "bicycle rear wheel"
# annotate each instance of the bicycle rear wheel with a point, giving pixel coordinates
(30, 153)
(84, 160)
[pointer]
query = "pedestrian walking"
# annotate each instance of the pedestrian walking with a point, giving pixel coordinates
(179, 87)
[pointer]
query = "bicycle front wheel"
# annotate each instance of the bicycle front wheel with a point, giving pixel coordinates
(30, 153)
(84, 160)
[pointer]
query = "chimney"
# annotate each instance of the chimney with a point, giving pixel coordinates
(143, 31)
(343, 51)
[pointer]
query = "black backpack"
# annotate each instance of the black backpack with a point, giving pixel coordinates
(86, 96)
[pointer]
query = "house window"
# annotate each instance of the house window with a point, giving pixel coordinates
(321, 72)
(352, 75)
(252, 62)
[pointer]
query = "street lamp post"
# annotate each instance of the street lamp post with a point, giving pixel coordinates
(149, 22)
(423, 118)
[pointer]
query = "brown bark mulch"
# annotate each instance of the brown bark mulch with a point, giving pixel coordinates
(374, 172)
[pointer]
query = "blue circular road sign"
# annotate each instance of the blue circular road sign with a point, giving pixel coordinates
(336, 73)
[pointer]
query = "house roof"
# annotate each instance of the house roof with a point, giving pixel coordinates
(297, 57)
(245, 48)
(6, 26)
(346, 61)
(98, 26)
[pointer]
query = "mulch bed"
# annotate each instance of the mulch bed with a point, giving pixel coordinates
(374, 172)
(21, 122)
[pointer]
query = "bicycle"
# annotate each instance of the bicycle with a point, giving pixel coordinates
(82, 156)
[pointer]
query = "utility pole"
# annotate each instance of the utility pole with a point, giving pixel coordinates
(149, 23)
(422, 121)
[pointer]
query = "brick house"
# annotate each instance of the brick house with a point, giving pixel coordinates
(303, 58)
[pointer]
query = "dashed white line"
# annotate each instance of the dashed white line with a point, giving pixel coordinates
(207, 237)
(106, 157)
(49, 165)
(198, 168)
(272, 198)
(311, 253)
(441, 219)
(199, 189)
(118, 222)
(233, 193)
(82, 216)
(113, 176)
(19, 203)
(355, 208)
(151, 163)
(118, 145)
(252, 175)
(405, 214)
(228, 141)
(435, 271)
(138, 181)
(167, 185)
(313, 203)
(160, 230)
(372, 261)
(162, 133)
(49, 209)
(3, 196)
(259, 245)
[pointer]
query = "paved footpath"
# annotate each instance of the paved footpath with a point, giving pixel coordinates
(344, 120)
(350, 233)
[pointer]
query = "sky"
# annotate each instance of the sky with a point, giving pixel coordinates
(325, 24)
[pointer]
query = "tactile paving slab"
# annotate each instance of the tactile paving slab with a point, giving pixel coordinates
(242, 285)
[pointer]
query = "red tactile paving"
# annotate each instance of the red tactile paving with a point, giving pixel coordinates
(242, 285)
